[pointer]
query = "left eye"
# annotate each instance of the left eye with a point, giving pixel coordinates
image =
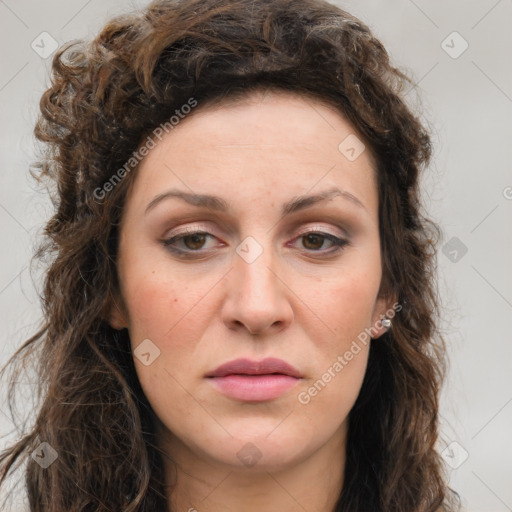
(193, 242)
(314, 240)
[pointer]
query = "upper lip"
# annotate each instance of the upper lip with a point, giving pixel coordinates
(249, 367)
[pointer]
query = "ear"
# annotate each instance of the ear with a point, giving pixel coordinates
(115, 313)
(385, 307)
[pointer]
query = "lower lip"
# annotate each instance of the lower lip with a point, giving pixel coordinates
(254, 388)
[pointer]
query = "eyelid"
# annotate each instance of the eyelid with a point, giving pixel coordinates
(322, 229)
(197, 228)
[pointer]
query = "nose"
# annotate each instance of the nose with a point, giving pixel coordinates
(258, 297)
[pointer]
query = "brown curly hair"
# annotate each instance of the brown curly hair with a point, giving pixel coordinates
(105, 97)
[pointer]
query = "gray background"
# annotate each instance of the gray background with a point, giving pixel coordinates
(466, 97)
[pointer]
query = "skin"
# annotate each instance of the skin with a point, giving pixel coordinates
(299, 300)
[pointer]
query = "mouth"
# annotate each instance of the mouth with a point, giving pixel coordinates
(254, 381)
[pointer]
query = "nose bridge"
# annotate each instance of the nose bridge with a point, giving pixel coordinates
(256, 295)
(254, 262)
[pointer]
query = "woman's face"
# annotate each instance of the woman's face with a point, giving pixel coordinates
(249, 178)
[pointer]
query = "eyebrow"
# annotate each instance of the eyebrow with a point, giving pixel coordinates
(217, 203)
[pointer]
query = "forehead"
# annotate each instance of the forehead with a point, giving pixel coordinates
(271, 118)
(267, 143)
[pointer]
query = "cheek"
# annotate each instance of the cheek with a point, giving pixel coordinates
(172, 311)
(173, 317)
(330, 395)
(168, 313)
(152, 306)
(346, 305)
(156, 297)
(347, 302)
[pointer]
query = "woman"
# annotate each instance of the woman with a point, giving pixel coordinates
(239, 308)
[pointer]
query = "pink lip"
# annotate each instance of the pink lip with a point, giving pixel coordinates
(256, 381)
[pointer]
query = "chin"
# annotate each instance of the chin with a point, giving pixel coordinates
(255, 453)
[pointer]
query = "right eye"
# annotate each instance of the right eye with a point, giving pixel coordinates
(192, 241)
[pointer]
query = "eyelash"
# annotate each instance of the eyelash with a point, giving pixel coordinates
(339, 243)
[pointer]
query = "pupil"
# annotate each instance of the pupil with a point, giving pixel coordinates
(314, 238)
(196, 239)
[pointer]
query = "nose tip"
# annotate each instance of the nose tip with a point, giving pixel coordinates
(256, 297)
(258, 332)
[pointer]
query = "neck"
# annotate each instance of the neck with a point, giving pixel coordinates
(205, 485)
